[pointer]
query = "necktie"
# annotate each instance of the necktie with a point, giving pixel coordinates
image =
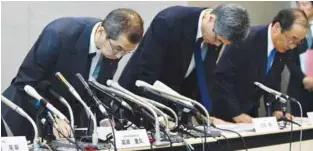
(107, 69)
(270, 60)
(97, 69)
(205, 98)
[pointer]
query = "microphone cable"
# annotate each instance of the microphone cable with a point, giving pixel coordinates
(67, 138)
(291, 131)
(301, 116)
(113, 132)
(169, 138)
(73, 142)
(242, 139)
(227, 141)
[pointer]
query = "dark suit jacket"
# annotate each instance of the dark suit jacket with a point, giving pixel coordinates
(63, 46)
(295, 87)
(165, 52)
(234, 91)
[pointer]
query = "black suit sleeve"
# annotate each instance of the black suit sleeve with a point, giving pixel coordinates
(34, 67)
(276, 85)
(154, 46)
(225, 96)
(292, 61)
(39, 60)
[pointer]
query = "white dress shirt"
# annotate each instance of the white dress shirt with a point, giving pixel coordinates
(93, 49)
(192, 64)
(270, 45)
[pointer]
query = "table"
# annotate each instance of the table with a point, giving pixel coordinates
(277, 140)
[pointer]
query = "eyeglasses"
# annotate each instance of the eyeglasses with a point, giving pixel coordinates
(293, 40)
(116, 49)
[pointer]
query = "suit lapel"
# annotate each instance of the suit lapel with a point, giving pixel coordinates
(262, 41)
(81, 61)
(189, 39)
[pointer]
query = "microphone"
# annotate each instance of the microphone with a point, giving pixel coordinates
(282, 97)
(106, 90)
(24, 114)
(90, 93)
(148, 87)
(33, 93)
(45, 86)
(136, 99)
(116, 94)
(165, 108)
(87, 109)
(175, 97)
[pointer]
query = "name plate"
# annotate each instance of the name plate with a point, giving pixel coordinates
(265, 124)
(16, 143)
(310, 116)
(131, 138)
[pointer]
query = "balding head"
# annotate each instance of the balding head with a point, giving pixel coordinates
(124, 21)
(289, 28)
(288, 17)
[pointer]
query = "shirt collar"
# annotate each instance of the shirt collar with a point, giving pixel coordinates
(270, 45)
(92, 45)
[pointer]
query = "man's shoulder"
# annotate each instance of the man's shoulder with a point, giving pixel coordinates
(178, 12)
(68, 24)
(256, 33)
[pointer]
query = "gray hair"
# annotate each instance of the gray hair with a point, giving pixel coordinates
(124, 21)
(232, 22)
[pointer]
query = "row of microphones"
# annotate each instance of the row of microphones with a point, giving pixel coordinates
(45, 86)
(43, 102)
(20, 111)
(175, 97)
(110, 92)
(122, 96)
(94, 135)
(135, 99)
(98, 103)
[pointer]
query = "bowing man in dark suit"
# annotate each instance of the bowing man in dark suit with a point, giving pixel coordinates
(89, 46)
(260, 58)
(181, 46)
(301, 68)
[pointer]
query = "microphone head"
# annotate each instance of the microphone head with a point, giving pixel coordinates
(257, 83)
(140, 83)
(82, 80)
(109, 82)
(32, 92)
(63, 80)
(43, 121)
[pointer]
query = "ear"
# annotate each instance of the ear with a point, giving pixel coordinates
(100, 29)
(276, 27)
(212, 18)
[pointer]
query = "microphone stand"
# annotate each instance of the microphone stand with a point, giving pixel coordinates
(269, 104)
(284, 110)
(38, 123)
(93, 107)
